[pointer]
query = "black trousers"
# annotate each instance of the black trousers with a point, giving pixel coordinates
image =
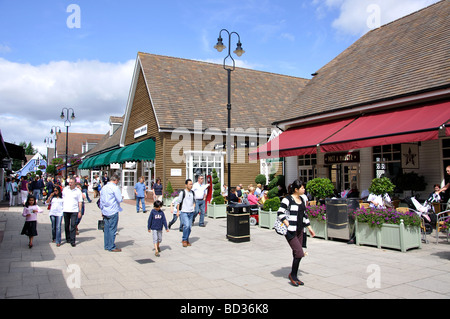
(70, 226)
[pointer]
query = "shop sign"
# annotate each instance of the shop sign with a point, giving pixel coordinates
(140, 131)
(343, 157)
(246, 144)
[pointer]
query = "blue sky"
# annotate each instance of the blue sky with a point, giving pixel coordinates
(275, 34)
(45, 65)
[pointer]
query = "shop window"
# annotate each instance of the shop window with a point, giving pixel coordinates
(446, 149)
(202, 163)
(306, 167)
(387, 160)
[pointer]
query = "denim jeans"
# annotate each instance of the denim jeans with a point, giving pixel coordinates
(56, 228)
(37, 194)
(142, 200)
(85, 191)
(200, 207)
(109, 233)
(186, 220)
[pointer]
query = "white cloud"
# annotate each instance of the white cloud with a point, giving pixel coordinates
(32, 97)
(4, 48)
(356, 17)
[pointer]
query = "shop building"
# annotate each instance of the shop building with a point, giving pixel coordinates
(175, 122)
(380, 108)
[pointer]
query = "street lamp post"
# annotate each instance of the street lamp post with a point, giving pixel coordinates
(67, 123)
(229, 68)
(48, 141)
(55, 137)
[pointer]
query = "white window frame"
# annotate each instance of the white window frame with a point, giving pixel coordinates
(190, 163)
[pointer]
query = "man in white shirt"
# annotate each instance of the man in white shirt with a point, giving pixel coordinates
(200, 191)
(185, 203)
(73, 199)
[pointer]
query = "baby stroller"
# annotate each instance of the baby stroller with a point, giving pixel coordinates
(425, 212)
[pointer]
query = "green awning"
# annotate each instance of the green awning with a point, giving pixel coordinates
(86, 163)
(142, 151)
(102, 159)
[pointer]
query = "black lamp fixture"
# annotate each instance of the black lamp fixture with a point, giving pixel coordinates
(239, 52)
(67, 123)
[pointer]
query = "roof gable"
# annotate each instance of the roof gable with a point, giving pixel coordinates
(182, 91)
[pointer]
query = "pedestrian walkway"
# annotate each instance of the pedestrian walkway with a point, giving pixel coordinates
(212, 268)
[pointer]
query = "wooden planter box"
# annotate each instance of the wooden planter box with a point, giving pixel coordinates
(266, 219)
(167, 201)
(388, 236)
(320, 228)
(216, 211)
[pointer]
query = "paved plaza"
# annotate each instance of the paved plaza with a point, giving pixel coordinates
(212, 268)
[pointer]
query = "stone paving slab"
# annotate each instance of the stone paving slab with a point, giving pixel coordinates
(212, 268)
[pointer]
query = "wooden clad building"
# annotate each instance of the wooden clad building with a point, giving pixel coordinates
(180, 104)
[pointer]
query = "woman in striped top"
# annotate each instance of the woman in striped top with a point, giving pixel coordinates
(292, 213)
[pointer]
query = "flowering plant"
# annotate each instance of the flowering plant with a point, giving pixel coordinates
(376, 217)
(446, 223)
(317, 212)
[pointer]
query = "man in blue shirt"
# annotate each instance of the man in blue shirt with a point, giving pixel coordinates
(141, 194)
(110, 199)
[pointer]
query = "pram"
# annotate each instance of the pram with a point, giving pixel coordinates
(425, 212)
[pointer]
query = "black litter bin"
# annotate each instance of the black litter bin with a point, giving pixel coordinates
(238, 223)
(340, 222)
(337, 218)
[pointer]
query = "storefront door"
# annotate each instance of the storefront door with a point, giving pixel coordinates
(128, 182)
(344, 176)
(350, 176)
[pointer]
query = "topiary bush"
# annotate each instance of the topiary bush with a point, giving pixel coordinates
(381, 186)
(272, 204)
(217, 196)
(320, 188)
(260, 179)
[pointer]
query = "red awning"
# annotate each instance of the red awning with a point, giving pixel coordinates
(405, 125)
(298, 141)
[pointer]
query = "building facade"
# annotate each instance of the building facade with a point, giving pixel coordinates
(380, 108)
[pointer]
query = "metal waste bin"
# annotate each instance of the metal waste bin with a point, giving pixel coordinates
(238, 223)
(340, 222)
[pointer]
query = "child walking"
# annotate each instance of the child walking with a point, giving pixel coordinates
(156, 221)
(56, 214)
(30, 211)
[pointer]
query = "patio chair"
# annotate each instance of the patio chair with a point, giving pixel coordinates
(365, 205)
(440, 219)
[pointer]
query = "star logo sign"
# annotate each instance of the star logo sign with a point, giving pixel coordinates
(409, 157)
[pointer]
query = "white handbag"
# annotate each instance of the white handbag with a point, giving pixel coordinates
(280, 227)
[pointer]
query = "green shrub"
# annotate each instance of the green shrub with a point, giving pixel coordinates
(217, 196)
(320, 188)
(381, 186)
(272, 204)
(260, 179)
